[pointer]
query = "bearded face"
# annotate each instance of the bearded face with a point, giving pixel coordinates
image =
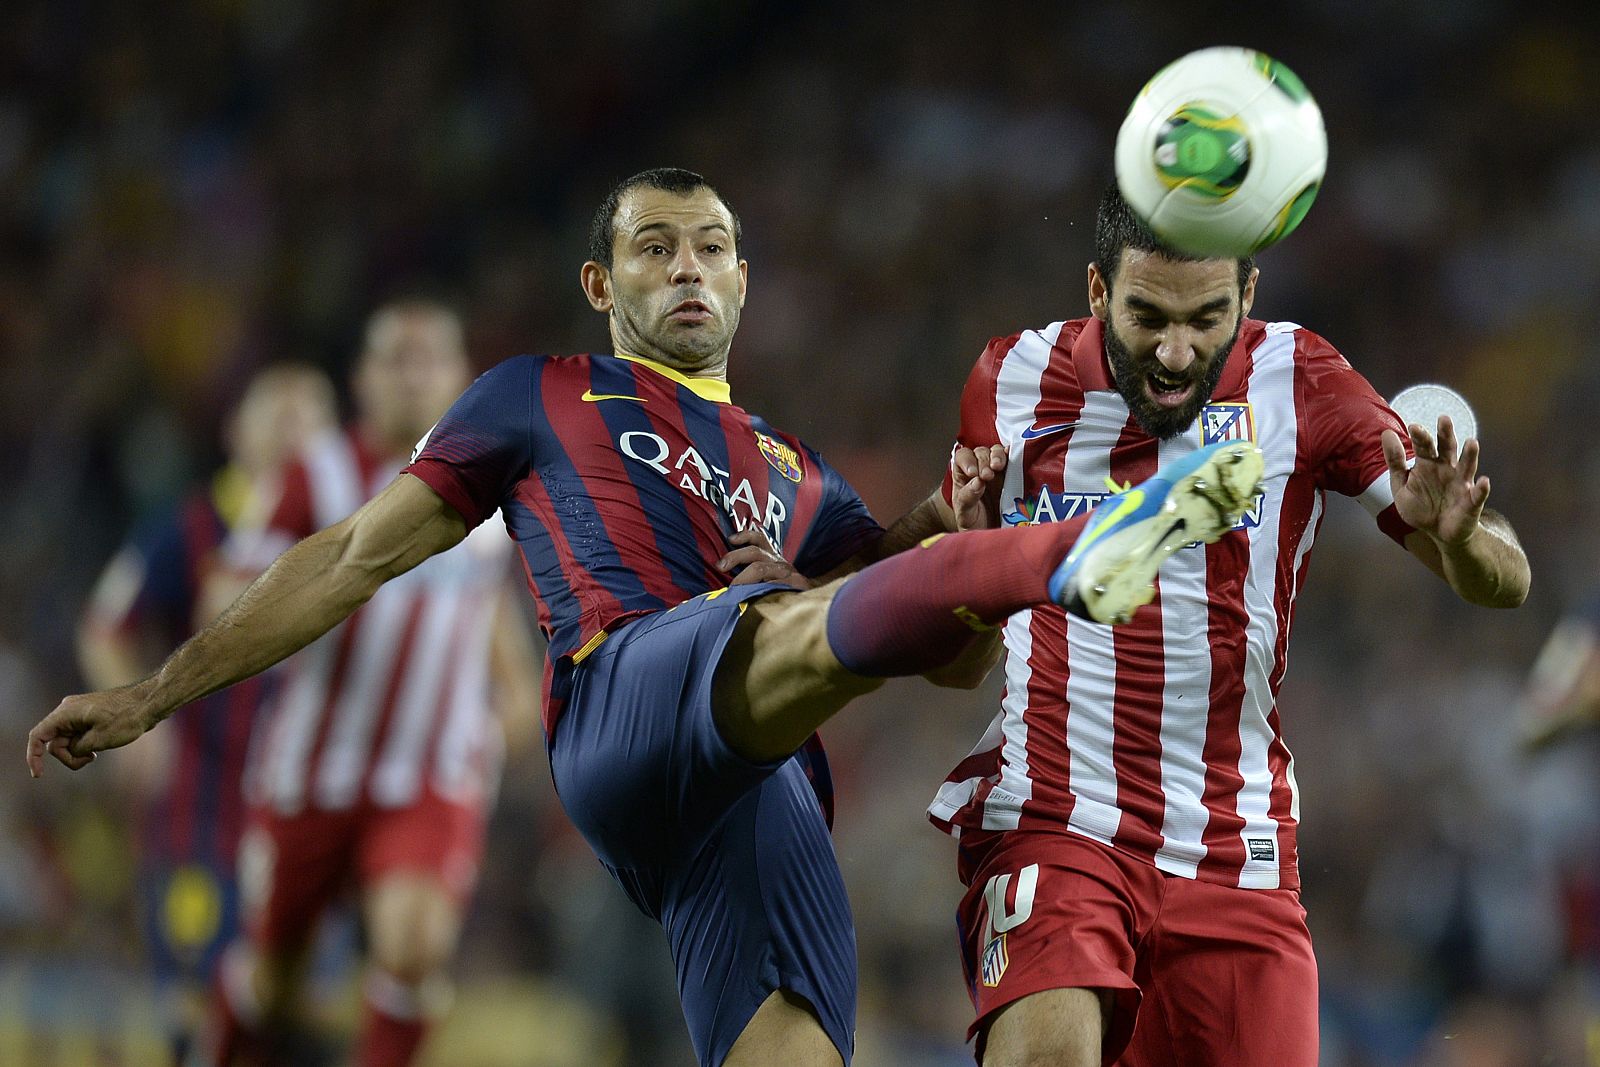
(1163, 402)
(1169, 326)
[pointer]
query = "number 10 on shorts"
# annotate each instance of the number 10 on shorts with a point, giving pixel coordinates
(1000, 917)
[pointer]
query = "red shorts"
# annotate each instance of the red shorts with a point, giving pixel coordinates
(292, 866)
(1200, 974)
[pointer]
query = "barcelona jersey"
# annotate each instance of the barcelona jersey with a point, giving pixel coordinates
(159, 576)
(621, 481)
(191, 827)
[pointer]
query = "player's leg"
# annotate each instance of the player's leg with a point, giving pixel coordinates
(289, 869)
(797, 658)
(417, 866)
(761, 933)
(784, 1029)
(732, 857)
(1059, 1027)
(412, 926)
(190, 915)
(1232, 981)
(1049, 929)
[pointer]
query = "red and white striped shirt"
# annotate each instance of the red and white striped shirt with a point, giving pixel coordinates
(394, 699)
(1161, 737)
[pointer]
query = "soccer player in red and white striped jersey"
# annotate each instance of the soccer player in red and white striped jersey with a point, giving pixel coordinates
(1127, 823)
(378, 759)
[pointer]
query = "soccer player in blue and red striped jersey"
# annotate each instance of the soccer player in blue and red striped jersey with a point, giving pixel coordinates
(150, 597)
(686, 559)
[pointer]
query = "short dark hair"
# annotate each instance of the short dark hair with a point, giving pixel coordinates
(1116, 228)
(603, 229)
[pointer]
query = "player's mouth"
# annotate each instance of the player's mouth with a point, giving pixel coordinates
(1169, 390)
(690, 311)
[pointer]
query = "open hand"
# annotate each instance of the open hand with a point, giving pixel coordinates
(1442, 494)
(974, 475)
(761, 560)
(88, 723)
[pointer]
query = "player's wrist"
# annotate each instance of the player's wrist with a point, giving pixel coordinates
(152, 700)
(1463, 544)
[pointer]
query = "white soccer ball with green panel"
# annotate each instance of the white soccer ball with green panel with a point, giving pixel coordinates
(1222, 152)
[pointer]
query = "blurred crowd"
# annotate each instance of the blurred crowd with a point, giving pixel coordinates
(191, 189)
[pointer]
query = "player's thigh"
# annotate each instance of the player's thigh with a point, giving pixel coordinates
(1059, 1027)
(1049, 928)
(417, 865)
(641, 763)
(1232, 981)
(760, 907)
(785, 1029)
(289, 869)
(778, 679)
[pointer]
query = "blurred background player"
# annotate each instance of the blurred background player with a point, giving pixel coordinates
(378, 759)
(1128, 823)
(148, 601)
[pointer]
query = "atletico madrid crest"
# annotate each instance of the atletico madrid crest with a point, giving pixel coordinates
(1226, 422)
(994, 961)
(782, 458)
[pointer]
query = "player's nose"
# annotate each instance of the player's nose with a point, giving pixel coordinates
(1176, 349)
(686, 267)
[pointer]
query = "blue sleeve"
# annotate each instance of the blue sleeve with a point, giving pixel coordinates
(165, 596)
(481, 448)
(841, 528)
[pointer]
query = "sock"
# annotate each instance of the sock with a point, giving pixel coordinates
(395, 1018)
(916, 611)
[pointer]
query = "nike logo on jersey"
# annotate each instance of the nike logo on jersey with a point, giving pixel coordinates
(592, 397)
(1034, 432)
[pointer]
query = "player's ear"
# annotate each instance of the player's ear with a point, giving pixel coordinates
(596, 282)
(1248, 297)
(1099, 293)
(744, 280)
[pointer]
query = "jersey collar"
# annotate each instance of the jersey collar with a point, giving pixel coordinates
(1089, 358)
(712, 389)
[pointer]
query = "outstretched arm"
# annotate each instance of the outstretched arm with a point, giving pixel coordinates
(1442, 498)
(310, 589)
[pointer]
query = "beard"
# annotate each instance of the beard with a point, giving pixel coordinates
(1159, 422)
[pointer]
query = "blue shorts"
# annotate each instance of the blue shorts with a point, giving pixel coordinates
(190, 913)
(733, 858)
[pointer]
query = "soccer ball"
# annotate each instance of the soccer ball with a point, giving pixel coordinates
(1222, 152)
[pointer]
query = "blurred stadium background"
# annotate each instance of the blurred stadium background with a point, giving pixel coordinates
(192, 188)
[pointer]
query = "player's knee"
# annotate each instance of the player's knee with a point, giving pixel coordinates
(412, 924)
(412, 960)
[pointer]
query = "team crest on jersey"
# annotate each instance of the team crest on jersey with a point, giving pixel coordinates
(995, 961)
(782, 458)
(1227, 422)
